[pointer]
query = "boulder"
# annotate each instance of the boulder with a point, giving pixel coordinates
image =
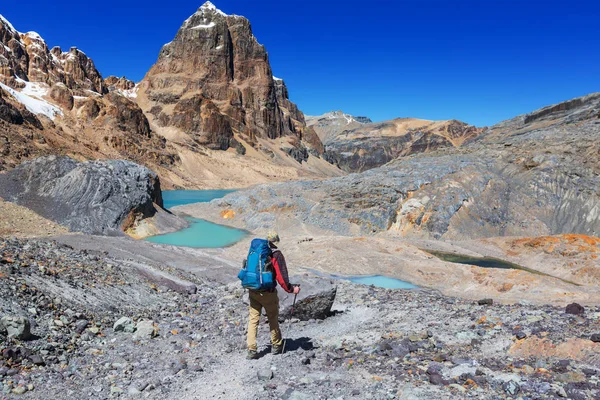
(97, 197)
(146, 329)
(317, 306)
(575, 309)
(15, 327)
(124, 324)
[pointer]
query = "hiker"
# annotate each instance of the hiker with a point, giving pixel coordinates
(265, 260)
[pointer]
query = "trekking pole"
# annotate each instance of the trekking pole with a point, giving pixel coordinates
(290, 323)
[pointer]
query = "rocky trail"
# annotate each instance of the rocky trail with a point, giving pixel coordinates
(128, 335)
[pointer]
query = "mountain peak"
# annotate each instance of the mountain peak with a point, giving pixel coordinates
(210, 6)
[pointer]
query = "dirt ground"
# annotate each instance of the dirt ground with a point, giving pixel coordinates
(20, 222)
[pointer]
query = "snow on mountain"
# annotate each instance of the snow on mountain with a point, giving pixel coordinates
(29, 98)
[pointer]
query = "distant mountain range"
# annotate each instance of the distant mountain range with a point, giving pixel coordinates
(356, 143)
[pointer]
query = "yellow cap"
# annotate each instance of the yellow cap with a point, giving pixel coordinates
(273, 237)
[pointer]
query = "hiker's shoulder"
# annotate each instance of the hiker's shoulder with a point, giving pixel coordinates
(277, 253)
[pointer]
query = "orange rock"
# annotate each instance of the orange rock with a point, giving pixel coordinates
(228, 214)
(574, 348)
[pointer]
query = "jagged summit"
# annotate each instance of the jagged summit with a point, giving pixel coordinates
(208, 6)
(213, 81)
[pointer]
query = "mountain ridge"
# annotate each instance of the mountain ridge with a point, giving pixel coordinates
(60, 100)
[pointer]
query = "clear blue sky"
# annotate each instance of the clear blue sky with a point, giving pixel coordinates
(477, 61)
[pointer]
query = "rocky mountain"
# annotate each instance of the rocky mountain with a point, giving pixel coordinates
(536, 174)
(213, 83)
(357, 144)
(55, 102)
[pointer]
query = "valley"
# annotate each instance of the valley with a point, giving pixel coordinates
(446, 260)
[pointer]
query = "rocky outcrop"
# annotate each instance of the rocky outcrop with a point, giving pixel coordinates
(213, 82)
(99, 197)
(26, 57)
(515, 179)
(356, 146)
(122, 83)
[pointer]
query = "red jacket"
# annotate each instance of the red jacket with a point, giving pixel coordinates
(281, 272)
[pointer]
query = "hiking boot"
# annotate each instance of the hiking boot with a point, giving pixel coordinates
(277, 350)
(252, 355)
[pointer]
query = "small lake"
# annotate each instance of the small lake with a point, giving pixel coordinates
(382, 281)
(484, 262)
(376, 280)
(200, 233)
(488, 262)
(173, 198)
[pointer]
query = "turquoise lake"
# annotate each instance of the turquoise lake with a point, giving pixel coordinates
(172, 198)
(382, 281)
(376, 280)
(200, 233)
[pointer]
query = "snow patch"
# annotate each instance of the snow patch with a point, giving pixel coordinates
(36, 106)
(34, 89)
(219, 47)
(34, 35)
(130, 93)
(204, 26)
(276, 78)
(7, 48)
(210, 6)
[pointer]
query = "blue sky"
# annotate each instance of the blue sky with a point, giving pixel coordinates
(477, 61)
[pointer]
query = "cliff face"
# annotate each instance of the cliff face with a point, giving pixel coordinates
(214, 83)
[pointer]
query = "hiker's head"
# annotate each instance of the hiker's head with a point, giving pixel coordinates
(273, 237)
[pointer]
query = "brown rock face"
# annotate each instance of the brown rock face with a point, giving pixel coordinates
(214, 81)
(114, 83)
(26, 56)
(62, 95)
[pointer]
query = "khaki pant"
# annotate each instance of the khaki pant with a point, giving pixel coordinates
(270, 302)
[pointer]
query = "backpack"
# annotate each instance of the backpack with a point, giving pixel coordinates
(257, 273)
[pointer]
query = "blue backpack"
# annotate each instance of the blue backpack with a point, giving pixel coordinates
(256, 273)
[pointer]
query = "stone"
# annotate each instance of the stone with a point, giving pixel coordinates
(575, 309)
(521, 335)
(19, 390)
(37, 360)
(436, 379)
(17, 327)
(317, 306)
(115, 390)
(124, 324)
(570, 377)
(146, 329)
(595, 338)
(485, 302)
(511, 387)
(265, 375)
(80, 325)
